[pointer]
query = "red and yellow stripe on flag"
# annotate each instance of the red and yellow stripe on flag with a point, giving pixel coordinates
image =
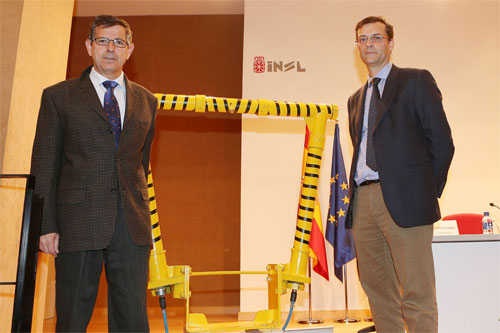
(317, 244)
(317, 240)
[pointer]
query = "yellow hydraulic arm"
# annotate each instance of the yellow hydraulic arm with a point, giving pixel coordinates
(164, 279)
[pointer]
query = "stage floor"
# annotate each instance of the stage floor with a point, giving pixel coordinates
(175, 321)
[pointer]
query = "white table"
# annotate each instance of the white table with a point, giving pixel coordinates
(468, 282)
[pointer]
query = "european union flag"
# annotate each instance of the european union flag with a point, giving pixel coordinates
(336, 233)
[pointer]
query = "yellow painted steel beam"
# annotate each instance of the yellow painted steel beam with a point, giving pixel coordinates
(158, 268)
(176, 279)
(307, 198)
(260, 107)
(227, 273)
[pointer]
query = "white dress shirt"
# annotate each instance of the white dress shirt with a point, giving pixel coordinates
(119, 91)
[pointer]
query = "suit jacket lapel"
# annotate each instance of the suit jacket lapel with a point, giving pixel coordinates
(390, 88)
(130, 105)
(89, 95)
(359, 113)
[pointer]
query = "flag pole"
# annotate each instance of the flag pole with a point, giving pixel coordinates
(346, 319)
(310, 320)
(336, 233)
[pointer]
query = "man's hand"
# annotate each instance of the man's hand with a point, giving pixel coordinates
(49, 243)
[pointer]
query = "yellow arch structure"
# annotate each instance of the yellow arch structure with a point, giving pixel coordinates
(165, 279)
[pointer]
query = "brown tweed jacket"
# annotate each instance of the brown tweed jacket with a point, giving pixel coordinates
(79, 170)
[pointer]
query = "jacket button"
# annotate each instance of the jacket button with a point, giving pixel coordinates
(113, 190)
(108, 131)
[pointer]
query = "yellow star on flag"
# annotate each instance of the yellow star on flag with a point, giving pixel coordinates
(332, 219)
(344, 186)
(341, 212)
(346, 200)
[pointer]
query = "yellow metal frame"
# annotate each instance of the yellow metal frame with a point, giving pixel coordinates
(165, 279)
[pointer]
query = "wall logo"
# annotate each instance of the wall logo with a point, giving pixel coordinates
(260, 65)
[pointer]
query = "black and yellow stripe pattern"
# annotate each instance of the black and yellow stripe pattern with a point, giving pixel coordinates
(153, 210)
(308, 198)
(315, 115)
(260, 107)
(158, 269)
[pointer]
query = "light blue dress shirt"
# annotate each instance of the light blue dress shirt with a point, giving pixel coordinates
(363, 172)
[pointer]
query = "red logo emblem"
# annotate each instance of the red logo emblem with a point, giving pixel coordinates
(259, 65)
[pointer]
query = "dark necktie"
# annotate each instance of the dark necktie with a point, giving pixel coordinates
(112, 109)
(371, 161)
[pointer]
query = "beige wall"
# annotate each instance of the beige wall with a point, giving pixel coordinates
(453, 39)
(43, 29)
(10, 19)
(458, 41)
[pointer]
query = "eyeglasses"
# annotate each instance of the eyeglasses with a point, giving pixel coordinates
(104, 41)
(373, 39)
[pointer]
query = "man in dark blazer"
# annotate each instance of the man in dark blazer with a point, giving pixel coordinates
(90, 158)
(402, 154)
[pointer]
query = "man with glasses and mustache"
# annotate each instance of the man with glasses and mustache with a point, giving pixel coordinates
(90, 158)
(402, 152)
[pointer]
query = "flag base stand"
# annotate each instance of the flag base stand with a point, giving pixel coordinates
(310, 321)
(369, 319)
(347, 320)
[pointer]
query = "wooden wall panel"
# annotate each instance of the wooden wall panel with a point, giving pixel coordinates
(196, 158)
(30, 61)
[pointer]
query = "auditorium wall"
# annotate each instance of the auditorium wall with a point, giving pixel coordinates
(458, 41)
(196, 158)
(212, 171)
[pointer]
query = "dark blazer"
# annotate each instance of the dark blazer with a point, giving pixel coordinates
(413, 145)
(79, 170)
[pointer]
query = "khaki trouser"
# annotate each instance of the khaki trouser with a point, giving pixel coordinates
(396, 266)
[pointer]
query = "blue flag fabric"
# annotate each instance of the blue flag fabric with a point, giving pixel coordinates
(336, 233)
